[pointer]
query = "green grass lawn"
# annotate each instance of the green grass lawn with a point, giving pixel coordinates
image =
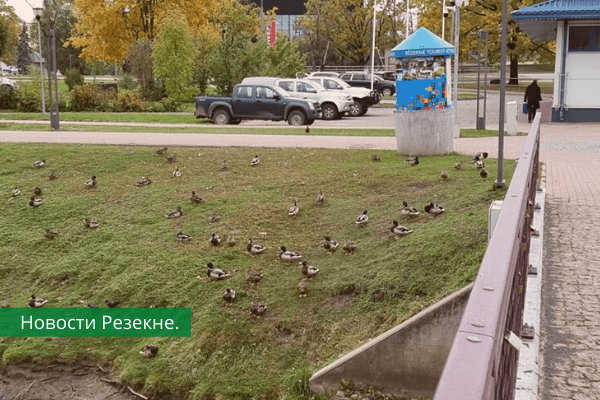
(133, 257)
(479, 133)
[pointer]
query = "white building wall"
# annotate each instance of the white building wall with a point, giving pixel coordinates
(583, 80)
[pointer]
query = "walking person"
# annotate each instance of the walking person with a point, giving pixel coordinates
(533, 96)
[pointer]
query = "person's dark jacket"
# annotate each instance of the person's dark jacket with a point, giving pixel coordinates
(533, 96)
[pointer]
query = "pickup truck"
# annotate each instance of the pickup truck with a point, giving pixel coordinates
(257, 102)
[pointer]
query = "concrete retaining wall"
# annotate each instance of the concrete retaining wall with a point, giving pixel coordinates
(408, 359)
(425, 133)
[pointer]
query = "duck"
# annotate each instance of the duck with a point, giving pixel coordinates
(286, 255)
(254, 248)
(399, 230)
(5, 303)
(172, 158)
(330, 245)
(444, 175)
(294, 210)
(215, 273)
(143, 182)
(479, 164)
(176, 173)
(215, 239)
(196, 199)
(229, 296)
(302, 288)
(50, 234)
(91, 224)
(162, 151)
(480, 156)
(349, 247)
(15, 192)
(183, 237)
(362, 219)
(412, 161)
(224, 165)
(409, 210)
(90, 305)
(33, 202)
(307, 129)
(321, 196)
(175, 214)
(375, 157)
(459, 165)
(150, 351)
(112, 304)
(37, 191)
(258, 309)
(214, 218)
(484, 174)
(308, 270)
(91, 183)
(39, 164)
(434, 209)
(255, 161)
(254, 277)
(36, 302)
(230, 240)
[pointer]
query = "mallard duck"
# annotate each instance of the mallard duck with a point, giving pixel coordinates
(91, 224)
(143, 182)
(33, 202)
(286, 255)
(91, 183)
(258, 309)
(375, 157)
(15, 192)
(172, 158)
(112, 304)
(409, 210)
(37, 191)
(176, 173)
(308, 270)
(434, 209)
(175, 214)
(399, 230)
(39, 164)
(36, 302)
(230, 240)
(362, 219)
(412, 161)
(224, 164)
(480, 156)
(484, 174)
(196, 199)
(459, 165)
(50, 234)
(349, 247)
(307, 129)
(215, 273)
(215, 239)
(294, 210)
(479, 164)
(255, 161)
(444, 175)
(254, 277)
(182, 237)
(5, 303)
(254, 248)
(52, 176)
(214, 218)
(162, 151)
(149, 351)
(321, 196)
(302, 288)
(330, 245)
(228, 296)
(92, 306)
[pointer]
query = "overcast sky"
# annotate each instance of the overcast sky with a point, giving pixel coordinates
(23, 9)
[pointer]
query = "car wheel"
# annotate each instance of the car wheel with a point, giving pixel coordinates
(387, 91)
(329, 112)
(297, 118)
(356, 109)
(221, 117)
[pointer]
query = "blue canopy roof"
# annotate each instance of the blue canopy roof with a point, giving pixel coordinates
(423, 43)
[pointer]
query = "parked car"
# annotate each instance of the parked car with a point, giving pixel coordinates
(362, 98)
(257, 102)
(327, 74)
(9, 82)
(386, 75)
(362, 79)
(333, 105)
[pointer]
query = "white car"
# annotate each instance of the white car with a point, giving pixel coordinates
(362, 98)
(333, 105)
(9, 82)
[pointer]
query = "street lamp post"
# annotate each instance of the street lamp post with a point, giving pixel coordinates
(37, 11)
(52, 75)
(373, 46)
(499, 183)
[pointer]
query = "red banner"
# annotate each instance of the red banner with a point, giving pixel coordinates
(271, 32)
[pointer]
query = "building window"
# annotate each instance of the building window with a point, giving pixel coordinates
(584, 38)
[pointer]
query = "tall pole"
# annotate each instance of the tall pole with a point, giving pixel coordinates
(262, 24)
(500, 180)
(456, 42)
(443, 19)
(407, 17)
(41, 68)
(56, 121)
(373, 46)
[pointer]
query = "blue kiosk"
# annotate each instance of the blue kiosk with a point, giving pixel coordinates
(423, 117)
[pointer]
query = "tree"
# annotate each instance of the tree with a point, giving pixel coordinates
(10, 28)
(24, 58)
(485, 15)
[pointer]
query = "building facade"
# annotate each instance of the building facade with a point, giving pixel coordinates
(287, 14)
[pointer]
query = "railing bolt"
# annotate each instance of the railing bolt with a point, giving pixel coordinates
(531, 270)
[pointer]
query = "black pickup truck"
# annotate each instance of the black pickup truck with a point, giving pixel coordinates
(257, 102)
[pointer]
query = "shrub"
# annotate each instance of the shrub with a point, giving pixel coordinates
(30, 97)
(127, 82)
(9, 97)
(73, 78)
(131, 101)
(84, 98)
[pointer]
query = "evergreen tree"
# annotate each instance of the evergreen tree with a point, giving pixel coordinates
(24, 58)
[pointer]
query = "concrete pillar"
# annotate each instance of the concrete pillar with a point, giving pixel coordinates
(425, 132)
(511, 118)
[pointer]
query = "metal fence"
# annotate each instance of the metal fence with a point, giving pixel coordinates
(482, 364)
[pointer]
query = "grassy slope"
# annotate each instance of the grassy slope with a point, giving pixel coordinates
(133, 256)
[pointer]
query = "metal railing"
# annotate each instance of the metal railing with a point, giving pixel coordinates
(482, 364)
